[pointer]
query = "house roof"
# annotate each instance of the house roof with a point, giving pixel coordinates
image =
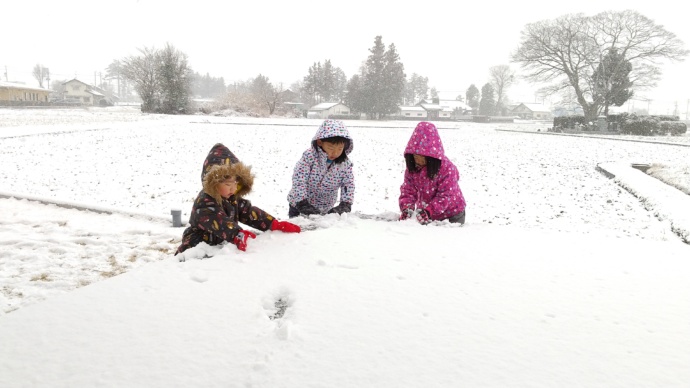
(15, 85)
(324, 106)
(454, 104)
(74, 79)
(431, 106)
(535, 107)
(95, 93)
(412, 108)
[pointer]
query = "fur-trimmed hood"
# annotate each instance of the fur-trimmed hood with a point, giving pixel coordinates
(221, 164)
(220, 172)
(219, 154)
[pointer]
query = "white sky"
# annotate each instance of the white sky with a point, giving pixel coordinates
(559, 278)
(452, 43)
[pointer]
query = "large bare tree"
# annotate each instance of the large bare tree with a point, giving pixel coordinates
(501, 77)
(565, 52)
(41, 73)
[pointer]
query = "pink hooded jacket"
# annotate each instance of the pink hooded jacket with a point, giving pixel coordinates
(440, 196)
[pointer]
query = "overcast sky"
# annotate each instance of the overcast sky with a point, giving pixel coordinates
(453, 43)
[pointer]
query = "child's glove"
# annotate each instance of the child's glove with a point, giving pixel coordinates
(306, 208)
(423, 217)
(285, 227)
(407, 213)
(241, 239)
(344, 207)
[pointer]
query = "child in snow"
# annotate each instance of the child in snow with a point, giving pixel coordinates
(220, 206)
(431, 180)
(323, 170)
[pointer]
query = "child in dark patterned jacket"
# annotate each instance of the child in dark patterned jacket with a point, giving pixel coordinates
(220, 206)
(430, 190)
(322, 172)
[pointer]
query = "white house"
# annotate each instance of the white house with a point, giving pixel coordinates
(85, 93)
(530, 111)
(325, 109)
(412, 112)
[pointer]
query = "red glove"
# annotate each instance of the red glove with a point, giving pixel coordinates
(285, 227)
(423, 217)
(241, 239)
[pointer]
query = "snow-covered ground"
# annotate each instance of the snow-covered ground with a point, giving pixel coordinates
(560, 277)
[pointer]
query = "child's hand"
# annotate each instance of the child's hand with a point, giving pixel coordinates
(407, 213)
(241, 239)
(423, 217)
(306, 208)
(344, 207)
(285, 227)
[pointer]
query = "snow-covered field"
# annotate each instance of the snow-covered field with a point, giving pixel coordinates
(560, 277)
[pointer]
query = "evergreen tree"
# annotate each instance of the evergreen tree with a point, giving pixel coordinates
(340, 84)
(374, 79)
(312, 83)
(472, 97)
(487, 104)
(175, 81)
(354, 98)
(393, 82)
(612, 83)
(327, 87)
(416, 89)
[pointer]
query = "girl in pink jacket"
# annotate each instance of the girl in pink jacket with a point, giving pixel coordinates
(430, 190)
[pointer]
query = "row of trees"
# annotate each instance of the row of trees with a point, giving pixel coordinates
(600, 61)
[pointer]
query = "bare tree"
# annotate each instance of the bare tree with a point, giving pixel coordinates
(142, 70)
(40, 73)
(501, 77)
(266, 94)
(162, 78)
(566, 52)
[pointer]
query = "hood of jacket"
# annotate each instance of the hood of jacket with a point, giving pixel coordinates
(425, 141)
(221, 164)
(219, 154)
(332, 128)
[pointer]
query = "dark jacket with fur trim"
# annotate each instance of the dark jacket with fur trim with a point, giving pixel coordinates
(215, 219)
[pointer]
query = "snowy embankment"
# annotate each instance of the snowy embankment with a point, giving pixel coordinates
(665, 201)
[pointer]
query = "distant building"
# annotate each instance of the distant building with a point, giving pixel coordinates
(86, 94)
(412, 112)
(325, 109)
(21, 94)
(528, 111)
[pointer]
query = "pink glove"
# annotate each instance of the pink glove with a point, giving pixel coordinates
(285, 227)
(407, 213)
(423, 217)
(241, 239)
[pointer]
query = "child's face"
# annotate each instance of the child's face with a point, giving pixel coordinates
(420, 160)
(227, 188)
(332, 150)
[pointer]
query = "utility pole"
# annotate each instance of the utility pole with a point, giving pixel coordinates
(6, 74)
(48, 77)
